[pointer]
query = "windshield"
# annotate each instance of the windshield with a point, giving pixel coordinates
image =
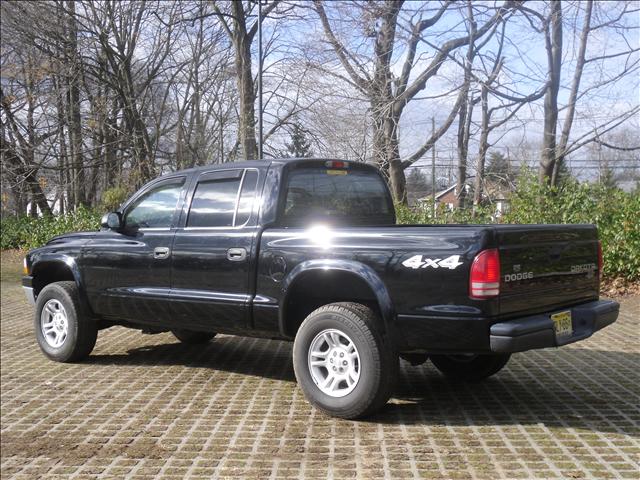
(336, 196)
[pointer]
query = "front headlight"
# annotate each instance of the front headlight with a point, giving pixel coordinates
(25, 267)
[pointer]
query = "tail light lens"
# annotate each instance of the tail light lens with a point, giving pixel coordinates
(336, 164)
(484, 281)
(600, 262)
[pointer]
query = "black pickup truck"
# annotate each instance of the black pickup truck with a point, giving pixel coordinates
(308, 250)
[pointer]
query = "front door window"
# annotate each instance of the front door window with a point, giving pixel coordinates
(156, 208)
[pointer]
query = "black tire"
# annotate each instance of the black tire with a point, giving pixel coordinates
(82, 330)
(378, 364)
(193, 338)
(472, 368)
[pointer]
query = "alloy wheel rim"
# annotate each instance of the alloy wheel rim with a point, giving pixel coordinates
(334, 363)
(54, 323)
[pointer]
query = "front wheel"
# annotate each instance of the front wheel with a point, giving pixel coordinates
(64, 333)
(470, 367)
(341, 361)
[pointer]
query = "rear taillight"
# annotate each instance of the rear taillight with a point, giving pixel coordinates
(600, 262)
(484, 281)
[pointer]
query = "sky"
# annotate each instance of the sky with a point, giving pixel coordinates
(524, 72)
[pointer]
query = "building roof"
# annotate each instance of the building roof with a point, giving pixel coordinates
(442, 193)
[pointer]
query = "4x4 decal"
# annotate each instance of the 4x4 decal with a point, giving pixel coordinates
(420, 261)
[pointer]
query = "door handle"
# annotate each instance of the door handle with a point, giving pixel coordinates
(160, 252)
(236, 254)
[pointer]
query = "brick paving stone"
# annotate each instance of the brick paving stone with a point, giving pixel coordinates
(149, 407)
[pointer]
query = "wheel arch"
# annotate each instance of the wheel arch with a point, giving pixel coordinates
(49, 269)
(314, 283)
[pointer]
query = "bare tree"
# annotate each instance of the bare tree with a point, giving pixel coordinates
(242, 35)
(22, 137)
(555, 150)
(388, 95)
(97, 95)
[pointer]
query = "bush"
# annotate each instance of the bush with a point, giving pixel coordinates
(27, 232)
(615, 212)
(423, 214)
(113, 197)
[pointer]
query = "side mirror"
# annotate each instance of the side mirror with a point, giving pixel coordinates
(112, 221)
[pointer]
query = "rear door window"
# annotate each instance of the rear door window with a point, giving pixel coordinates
(223, 199)
(214, 203)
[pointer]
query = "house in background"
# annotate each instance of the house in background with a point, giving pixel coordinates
(494, 192)
(447, 197)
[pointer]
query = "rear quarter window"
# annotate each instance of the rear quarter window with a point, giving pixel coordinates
(336, 196)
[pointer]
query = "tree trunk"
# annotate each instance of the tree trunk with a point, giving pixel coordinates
(143, 170)
(466, 113)
(379, 143)
(398, 181)
(62, 154)
(244, 78)
(38, 198)
(109, 128)
(483, 147)
(75, 122)
(385, 118)
(554, 56)
(180, 161)
(464, 123)
(573, 93)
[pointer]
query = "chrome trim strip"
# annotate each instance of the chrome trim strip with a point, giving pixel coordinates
(235, 211)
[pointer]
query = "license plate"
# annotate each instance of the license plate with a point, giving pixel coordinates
(562, 323)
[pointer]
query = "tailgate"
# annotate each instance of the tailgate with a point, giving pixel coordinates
(546, 266)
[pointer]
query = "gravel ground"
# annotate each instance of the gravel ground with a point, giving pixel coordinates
(148, 407)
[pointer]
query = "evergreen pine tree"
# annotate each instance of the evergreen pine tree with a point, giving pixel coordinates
(498, 168)
(300, 146)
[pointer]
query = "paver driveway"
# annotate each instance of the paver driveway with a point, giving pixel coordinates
(147, 407)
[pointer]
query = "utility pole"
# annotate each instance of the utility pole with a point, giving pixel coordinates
(221, 139)
(260, 79)
(433, 166)
(599, 160)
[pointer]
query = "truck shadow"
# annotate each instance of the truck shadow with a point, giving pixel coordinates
(579, 388)
(242, 355)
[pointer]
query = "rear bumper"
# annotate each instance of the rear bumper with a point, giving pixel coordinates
(431, 334)
(537, 331)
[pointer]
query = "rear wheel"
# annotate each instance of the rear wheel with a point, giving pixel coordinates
(193, 338)
(470, 367)
(63, 331)
(341, 361)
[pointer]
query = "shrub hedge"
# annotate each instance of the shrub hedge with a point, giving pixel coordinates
(615, 212)
(27, 232)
